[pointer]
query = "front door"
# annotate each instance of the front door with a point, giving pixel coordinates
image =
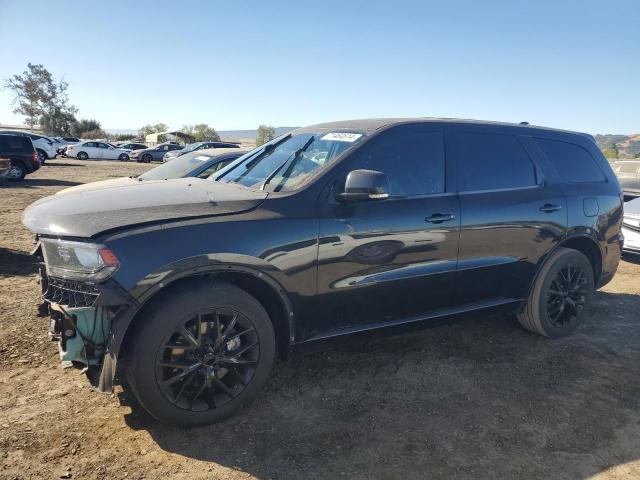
(381, 261)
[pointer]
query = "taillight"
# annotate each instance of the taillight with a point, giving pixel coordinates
(34, 158)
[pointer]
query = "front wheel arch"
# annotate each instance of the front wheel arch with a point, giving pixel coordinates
(262, 287)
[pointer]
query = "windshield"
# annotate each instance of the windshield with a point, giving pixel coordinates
(192, 147)
(288, 163)
(177, 168)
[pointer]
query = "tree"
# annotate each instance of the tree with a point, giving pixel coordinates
(611, 152)
(149, 129)
(123, 137)
(266, 133)
(202, 132)
(36, 93)
(57, 123)
(79, 129)
(98, 133)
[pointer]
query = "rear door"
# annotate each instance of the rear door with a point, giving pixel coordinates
(389, 260)
(91, 148)
(511, 215)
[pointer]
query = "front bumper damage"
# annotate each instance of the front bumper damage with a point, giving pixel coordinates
(81, 320)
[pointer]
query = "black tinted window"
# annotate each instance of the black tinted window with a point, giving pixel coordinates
(412, 158)
(573, 162)
(9, 143)
(493, 162)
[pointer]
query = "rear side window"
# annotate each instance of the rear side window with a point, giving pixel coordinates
(572, 162)
(493, 162)
(9, 143)
(412, 157)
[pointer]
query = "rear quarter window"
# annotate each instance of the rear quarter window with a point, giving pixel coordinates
(15, 144)
(573, 163)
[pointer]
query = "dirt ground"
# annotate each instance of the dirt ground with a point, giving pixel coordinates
(476, 399)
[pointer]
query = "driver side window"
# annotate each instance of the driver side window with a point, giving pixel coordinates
(412, 156)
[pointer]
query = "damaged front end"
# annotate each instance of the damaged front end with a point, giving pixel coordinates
(81, 311)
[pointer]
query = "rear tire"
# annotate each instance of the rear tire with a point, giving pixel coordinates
(83, 156)
(560, 296)
(123, 157)
(17, 172)
(188, 363)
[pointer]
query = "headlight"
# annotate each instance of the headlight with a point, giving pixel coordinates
(631, 221)
(78, 260)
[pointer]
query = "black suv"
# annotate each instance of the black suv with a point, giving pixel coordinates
(327, 233)
(19, 150)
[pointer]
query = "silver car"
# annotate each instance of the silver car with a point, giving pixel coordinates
(628, 173)
(631, 226)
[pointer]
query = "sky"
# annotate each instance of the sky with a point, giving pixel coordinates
(237, 64)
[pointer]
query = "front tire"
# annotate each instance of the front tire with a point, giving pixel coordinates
(147, 158)
(83, 156)
(200, 353)
(560, 296)
(42, 156)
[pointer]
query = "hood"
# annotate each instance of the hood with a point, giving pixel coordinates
(112, 182)
(632, 208)
(87, 213)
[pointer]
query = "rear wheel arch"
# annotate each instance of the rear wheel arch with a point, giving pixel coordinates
(589, 248)
(267, 291)
(584, 244)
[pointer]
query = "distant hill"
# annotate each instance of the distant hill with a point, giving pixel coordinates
(628, 146)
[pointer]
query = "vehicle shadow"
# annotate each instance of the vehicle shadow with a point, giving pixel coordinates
(632, 258)
(40, 182)
(473, 399)
(61, 164)
(16, 263)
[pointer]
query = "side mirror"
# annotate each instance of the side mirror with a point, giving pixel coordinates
(365, 185)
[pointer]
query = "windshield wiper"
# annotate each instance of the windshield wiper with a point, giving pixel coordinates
(268, 149)
(295, 155)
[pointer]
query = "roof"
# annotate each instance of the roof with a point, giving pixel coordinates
(370, 125)
(221, 151)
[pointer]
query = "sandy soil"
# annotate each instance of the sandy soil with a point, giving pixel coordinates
(476, 399)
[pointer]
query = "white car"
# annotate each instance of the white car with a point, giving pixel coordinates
(631, 226)
(98, 150)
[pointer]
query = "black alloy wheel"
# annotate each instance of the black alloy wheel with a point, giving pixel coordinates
(566, 295)
(200, 352)
(209, 360)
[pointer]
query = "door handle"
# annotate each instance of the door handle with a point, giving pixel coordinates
(549, 208)
(440, 217)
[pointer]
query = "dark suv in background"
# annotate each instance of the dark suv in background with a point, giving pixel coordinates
(329, 233)
(20, 152)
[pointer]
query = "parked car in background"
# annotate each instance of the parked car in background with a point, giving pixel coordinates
(22, 156)
(332, 232)
(97, 150)
(154, 153)
(631, 226)
(132, 146)
(71, 139)
(201, 165)
(44, 145)
(628, 173)
(197, 146)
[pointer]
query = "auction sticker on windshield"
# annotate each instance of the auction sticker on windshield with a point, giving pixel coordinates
(342, 137)
(202, 158)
